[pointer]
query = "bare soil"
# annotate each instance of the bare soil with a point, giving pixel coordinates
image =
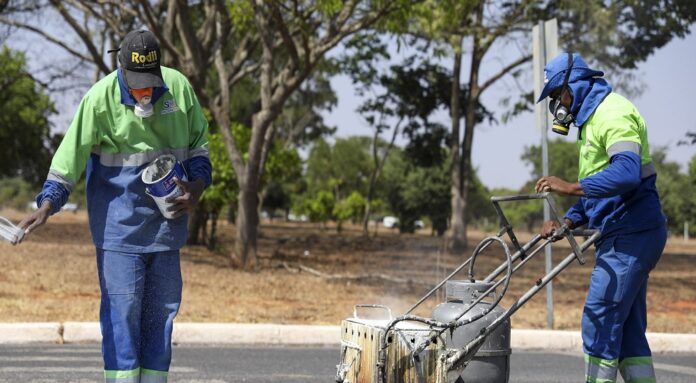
(52, 277)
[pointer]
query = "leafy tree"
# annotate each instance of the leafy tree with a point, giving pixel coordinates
(414, 191)
(406, 97)
(342, 168)
(672, 185)
(616, 34)
(24, 125)
(320, 208)
(222, 192)
(350, 208)
(281, 43)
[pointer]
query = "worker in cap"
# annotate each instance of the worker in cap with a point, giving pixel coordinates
(618, 197)
(126, 120)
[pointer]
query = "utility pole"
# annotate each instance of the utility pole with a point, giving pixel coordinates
(545, 42)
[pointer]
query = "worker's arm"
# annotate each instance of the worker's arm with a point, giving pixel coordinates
(576, 214)
(619, 135)
(67, 165)
(198, 166)
(622, 175)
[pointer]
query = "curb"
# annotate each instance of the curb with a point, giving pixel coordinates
(295, 335)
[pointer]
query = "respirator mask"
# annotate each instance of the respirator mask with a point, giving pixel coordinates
(562, 117)
(143, 108)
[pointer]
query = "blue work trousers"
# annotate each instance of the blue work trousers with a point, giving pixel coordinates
(614, 319)
(140, 296)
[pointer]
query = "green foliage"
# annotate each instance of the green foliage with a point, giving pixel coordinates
(223, 191)
(24, 126)
(320, 208)
(350, 208)
(15, 193)
(343, 168)
(414, 192)
(675, 189)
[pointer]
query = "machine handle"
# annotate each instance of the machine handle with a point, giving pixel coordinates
(362, 306)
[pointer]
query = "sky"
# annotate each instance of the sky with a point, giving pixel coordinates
(670, 79)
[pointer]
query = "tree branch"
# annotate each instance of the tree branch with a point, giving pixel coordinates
(504, 71)
(164, 39)
(84, 36)
(47, 37)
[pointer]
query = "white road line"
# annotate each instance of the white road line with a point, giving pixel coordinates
(675, 368)
(178, 370)
(48, 359)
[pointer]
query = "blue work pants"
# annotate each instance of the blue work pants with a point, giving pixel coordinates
(614, 319)
(140, 296)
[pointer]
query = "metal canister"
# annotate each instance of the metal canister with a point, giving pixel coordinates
(159, 176)
(491, 364)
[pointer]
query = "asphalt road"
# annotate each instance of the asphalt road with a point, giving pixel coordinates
(215, 364)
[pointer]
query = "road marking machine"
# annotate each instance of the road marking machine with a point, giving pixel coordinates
(467, 338)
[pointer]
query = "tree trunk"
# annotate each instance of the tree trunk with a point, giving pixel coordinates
(471, 102)
(212, 238)
(247, 228)
(458, 224)
(379, 164)
(368, 203)
(197, 221)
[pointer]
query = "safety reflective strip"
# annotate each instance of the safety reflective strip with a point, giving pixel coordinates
(623, 146)
(638, 370)
(647, 170)
(122, 376)
(598, 370)
(60, 178)
(202, 151)
(153, 376)
(137, 159)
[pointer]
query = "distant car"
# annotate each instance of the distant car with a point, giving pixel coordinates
(390, 222)
(71, 207)
(419, 224)
(297, 218)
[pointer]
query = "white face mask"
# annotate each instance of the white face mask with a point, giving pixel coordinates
(144, 110)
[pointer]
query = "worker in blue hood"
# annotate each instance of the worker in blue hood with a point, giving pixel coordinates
(618, 197)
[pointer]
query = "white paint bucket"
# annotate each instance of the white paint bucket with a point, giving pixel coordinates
(9, 231)
(159, 181)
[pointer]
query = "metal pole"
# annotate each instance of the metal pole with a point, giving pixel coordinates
(545, 47)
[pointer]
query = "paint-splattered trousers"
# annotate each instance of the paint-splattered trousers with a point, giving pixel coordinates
(140, 296)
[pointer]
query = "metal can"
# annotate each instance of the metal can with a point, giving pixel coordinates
(159, 176)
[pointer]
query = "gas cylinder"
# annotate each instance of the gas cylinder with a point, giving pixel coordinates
(491, 364)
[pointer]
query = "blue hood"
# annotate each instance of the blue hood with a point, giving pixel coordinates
(587, 85)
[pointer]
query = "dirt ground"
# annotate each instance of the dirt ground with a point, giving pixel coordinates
(52, 277)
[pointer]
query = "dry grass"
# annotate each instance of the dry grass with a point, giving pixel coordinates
(52, 277)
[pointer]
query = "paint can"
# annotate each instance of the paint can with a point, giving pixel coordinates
(10, 232)
(159, 181)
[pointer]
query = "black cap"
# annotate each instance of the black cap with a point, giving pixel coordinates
(140, 60)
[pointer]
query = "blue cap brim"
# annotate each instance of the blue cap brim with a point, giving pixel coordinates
(557, 80)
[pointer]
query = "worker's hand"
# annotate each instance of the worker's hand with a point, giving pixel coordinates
(555, 184)
(187, 201)
(550, 227)
(36, 219)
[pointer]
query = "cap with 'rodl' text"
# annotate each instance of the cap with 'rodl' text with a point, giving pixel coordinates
(139, 56)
